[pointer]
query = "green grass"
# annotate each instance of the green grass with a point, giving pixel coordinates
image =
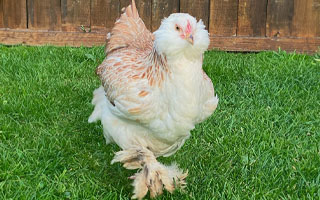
(263, 141)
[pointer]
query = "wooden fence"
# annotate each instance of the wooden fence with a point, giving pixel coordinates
(234, 25)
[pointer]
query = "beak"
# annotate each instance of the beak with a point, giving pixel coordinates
(189, 38)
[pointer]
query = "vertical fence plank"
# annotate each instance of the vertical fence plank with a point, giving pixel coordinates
(104, 13)
(316, 11)
(14, 14)
(1, 14)
(279, 18)
(223, 17)
(252, 15)
(75, 15)
(306, 19)
(144, 9)
(44, 14)
(162, 9)
(196, 8)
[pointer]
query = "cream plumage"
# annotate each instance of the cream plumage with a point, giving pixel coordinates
(153, 93)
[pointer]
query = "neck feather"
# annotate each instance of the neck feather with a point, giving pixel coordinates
(157, 69)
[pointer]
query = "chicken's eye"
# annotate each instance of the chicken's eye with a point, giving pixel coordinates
(177, 28)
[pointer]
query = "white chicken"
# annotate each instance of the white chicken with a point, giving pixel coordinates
(154, 91)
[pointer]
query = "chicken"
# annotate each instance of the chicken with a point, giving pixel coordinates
(154, 91)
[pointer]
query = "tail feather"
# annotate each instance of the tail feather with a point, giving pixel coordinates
(129, 30)
(132, 11)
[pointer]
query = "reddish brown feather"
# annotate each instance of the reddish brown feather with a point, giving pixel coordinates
(129, 30)
(143, 93)
(131, 57)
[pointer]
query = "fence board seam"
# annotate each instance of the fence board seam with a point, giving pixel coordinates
(208, 17)
(237, 27)
(27, 23)
(267, 4)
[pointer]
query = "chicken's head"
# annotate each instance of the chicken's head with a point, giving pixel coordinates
(181, 34)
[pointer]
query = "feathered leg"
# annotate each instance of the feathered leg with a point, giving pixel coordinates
(153, 176)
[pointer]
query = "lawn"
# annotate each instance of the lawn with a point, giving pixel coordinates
(263, 141)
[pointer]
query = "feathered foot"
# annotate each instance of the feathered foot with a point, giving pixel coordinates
(153, 176)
